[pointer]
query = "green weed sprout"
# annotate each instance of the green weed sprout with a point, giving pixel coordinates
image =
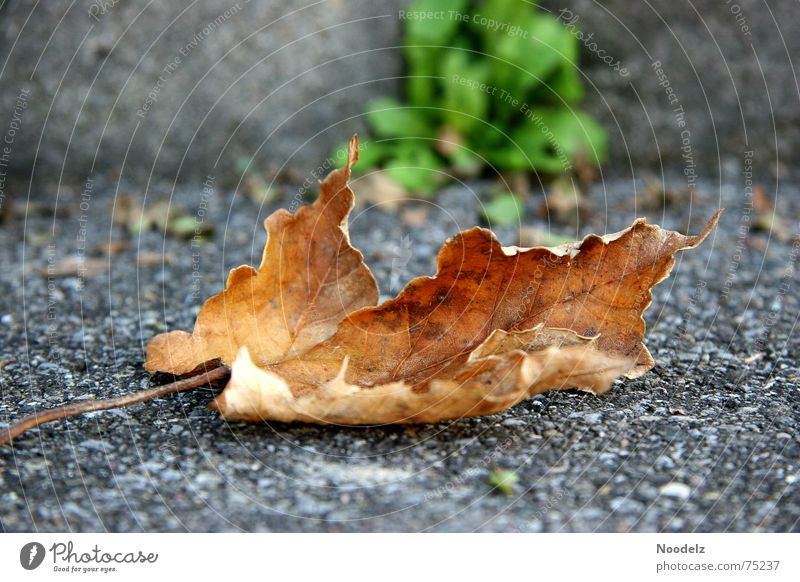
(491, 83)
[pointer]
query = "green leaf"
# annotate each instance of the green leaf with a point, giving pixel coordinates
(422, 73)
(529, 150)
(188, 227)
(389, 118)
(415, 167)
(503, 210)
(551, 45)
(432, 21)
(577, 135)
(466, 98)
(527, 56)
(513, 57)
(466, 162)
(494, 16)
(243, 164)
(503, 480)
(565, 84)
(550, 140)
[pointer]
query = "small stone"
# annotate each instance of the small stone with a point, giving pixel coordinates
(96, 445)
(458, 207)
(677, 490)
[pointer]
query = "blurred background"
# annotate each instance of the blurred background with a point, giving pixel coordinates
(143, 143)
(179, 90)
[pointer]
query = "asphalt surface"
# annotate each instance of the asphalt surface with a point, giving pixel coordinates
(706, 441)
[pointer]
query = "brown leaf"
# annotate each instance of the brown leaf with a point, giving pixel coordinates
(481, 382)
(310, 278)
(495, 325)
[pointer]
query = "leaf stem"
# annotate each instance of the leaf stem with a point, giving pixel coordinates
(37, 418)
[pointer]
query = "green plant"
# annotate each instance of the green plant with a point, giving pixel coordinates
(491, 82)
(503, 480)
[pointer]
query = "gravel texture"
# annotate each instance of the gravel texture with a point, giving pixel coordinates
(706, 441)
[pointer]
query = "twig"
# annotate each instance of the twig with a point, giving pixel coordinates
(37, 418)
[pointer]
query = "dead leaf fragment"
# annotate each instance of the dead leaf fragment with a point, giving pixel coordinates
(768, 219)
(494, 325)
(76, 266)
(565, 202)
(112, 247)
(414, 216)
(149, 259)
(380, 190)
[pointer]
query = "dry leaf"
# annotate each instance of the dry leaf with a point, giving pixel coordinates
(381, 190)
(565, 202)
(310, 278)
(149, 259)
(112, 247)
(655, 195)
(163, 216)
(77, 266)
(767, 219)
(449, 142)
(414, 216)
(256, 188)
(495, 325)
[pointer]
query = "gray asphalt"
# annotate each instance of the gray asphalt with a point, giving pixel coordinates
(707, 441)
